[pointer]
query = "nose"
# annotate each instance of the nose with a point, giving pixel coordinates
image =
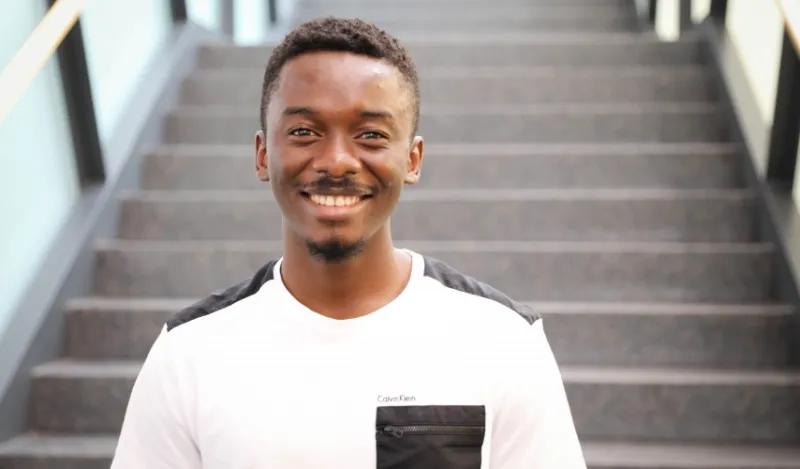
(336, 158)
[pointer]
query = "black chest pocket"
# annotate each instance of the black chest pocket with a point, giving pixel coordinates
(430, 437)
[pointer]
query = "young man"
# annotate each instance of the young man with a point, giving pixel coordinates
(348, 352)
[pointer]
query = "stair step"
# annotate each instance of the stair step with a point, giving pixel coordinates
(547, 271)
(399, 17)
(442, 215)
(607, 403)
(502, 49)
(555, 123)
(32, 451)
(605, 334)
(41, 451)
(502, 166)
(480, 85)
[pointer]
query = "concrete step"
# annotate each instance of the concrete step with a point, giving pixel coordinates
(608, 403)
(404, 18)
(485, 85)
(582, 334)
(43, 451)
(699, 215)
(555, 123)
(501, 166)
(48, 451)
(502, 49)
(547, 271)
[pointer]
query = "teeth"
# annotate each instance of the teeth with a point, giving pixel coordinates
(334, 200)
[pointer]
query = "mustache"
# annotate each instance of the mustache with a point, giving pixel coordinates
(327, 183)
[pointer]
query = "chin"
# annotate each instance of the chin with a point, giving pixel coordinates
(335, 250)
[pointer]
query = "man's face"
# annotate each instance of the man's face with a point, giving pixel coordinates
(338, 149)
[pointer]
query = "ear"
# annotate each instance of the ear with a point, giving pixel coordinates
(262, 171)
(414, 161)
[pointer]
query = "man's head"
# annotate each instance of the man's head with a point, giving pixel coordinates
(339, 113)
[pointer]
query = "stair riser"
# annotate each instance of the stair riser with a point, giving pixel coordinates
(751, 341)
(545, 276)
(428, 13)
(726, 219)
(573, 127)
(539, 54)
(400, 21)
(557, 87)
(702, 412)
(723, 413)
(671, 340)
(669, 170)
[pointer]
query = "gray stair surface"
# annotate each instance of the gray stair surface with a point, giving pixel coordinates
(481, 166)
(572, 160)
(439, 17)
(603, 334)
(441, 215)
(546, 271)
(90, 397)
(677, 122)
(498, 85)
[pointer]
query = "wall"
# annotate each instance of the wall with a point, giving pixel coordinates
(38, 186)
(121, 37)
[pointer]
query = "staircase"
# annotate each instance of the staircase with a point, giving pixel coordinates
(570, 161)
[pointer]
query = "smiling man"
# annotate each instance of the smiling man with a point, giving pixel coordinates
(347, 352)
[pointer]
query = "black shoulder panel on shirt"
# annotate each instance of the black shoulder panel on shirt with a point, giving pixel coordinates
(223, 298)
(451, 278)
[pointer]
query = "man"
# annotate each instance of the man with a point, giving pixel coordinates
(347, 352)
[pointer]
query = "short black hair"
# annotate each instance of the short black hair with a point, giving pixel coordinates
(345, 35)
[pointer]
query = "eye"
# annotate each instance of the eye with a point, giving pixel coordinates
(301, 132)
(371, 135)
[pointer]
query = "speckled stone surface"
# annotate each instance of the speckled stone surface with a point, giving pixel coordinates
(634, 166)
(685, 407)
(540, 271)
(469, 49)
(514, 215)
(528, 124)
(491, 85)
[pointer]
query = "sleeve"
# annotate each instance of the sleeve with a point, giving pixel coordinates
(533, 426)
(156, 432)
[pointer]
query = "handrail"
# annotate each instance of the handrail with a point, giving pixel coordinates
(790, 10)
(38, 48)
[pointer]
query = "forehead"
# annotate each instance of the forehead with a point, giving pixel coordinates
(339, 81)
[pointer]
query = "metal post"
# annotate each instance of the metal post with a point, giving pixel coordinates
(652, 11)
(782, 156)
(77, 88)
(179, 12)
(272, 7)
(718, 10)
(227, 17)
(685, 14)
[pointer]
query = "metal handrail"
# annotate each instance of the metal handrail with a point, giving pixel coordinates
(17, 76)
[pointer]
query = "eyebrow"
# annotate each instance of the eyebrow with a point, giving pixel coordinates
(307, 111)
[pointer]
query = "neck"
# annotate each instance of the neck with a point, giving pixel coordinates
(347, 289)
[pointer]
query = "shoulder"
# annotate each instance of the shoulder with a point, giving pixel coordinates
(472, 295)
(223, 299)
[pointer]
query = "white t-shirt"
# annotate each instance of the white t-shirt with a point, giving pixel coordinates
(449, 375)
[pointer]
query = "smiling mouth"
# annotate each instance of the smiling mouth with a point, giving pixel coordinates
(335, 200)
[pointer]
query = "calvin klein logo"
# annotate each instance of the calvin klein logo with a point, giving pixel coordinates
(391, 399)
